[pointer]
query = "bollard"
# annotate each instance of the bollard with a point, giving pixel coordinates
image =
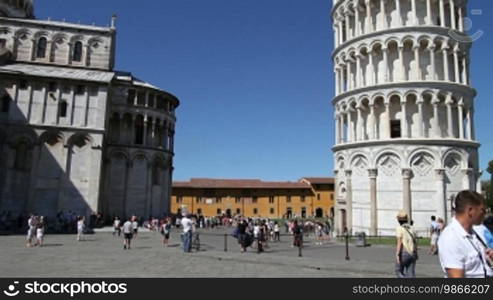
(347, 246)
(225, 243)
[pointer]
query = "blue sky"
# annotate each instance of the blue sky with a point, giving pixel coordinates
(254, 78)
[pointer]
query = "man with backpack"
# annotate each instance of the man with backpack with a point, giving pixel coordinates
(406, 253)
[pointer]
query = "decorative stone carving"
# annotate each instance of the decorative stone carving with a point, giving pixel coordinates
(422, 164)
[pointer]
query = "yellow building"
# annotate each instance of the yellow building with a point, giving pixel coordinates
(254, 198)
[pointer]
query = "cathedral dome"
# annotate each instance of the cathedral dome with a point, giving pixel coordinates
(17, 8)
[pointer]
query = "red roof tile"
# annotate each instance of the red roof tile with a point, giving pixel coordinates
(238, 183)
(319, 180)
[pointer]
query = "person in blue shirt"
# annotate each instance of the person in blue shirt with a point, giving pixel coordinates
(488, 234)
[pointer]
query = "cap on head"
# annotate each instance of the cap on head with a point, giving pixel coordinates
(402, 216)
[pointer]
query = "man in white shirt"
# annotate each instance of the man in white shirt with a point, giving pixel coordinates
(462, 253)
(434, 229)
(187, 224)
(127, 233)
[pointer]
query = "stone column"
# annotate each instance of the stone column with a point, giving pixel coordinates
(348, 74)
(404, 125)
(145, 130)
(147, 99)
(442, 14)
(456, 65)
(129, 165)
(153, 132)
(336, 72)
(479, 188)
(357, 30)
(348, 29)
(344, 83)
(413, 10)
(428, 13)
(341, 128)
(471, 120)
(452, 14)
(469, 123)
(450, 125)
(432, 62)
(341, 33)
(386, 64)
(133, 131)
(369, 23)
(460, 110)
(383, 15)
(418, 63)
(371, 77)
(349, 200)
(387, 121)
(148, 190)
(440, 194)
(461, 19)
(336, 35)
(436, 124)
(121, 129)
(164, 136)
(406, 192)
(464, 70)
(420, 116)
(359, 126)
(445, 62)
(398, 8)
(338, 139)
(358, 81)
(372, 121)
(372, 174)
(402, 73)
(467, 179)
(349, 127)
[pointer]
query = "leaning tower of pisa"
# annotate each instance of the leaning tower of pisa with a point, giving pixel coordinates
(404, 112)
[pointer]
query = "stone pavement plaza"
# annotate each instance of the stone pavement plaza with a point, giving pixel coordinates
(102, 255)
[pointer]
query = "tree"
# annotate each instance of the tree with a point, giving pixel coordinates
(489, 189)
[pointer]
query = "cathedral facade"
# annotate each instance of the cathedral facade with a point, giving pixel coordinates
(404, 112)
(75, 134)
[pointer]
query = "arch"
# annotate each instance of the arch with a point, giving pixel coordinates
(409, 93)
(431, 93)
(409, 38)
(51, 137)
(394, 94)
(137, 155)
(363, 97)
(341, 162)
(22, 31)
(42, 33)
(81, 141)
(119, 153)
(375, 96)
(361, 47)
(94, 40)
(5, 29)
(392, 39)
(59, 36)
(359, 164)
(386, 151)
(22, 136)
(454, 152)
(376, 43)
(421, 150)
(77, 38)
